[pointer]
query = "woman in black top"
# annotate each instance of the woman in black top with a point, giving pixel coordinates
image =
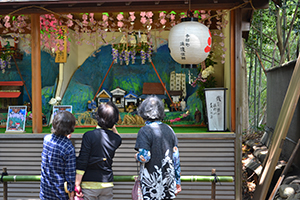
(94, 173)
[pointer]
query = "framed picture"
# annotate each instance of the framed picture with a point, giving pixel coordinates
(16, 119)
(59, 108)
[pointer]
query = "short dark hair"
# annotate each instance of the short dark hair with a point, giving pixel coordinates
(108, 115)
(152, 109)
(63, 123)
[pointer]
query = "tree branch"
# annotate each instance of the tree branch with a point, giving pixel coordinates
(288, 36)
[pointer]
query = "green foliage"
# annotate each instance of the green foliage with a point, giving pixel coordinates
(264, 40)
(209, 82)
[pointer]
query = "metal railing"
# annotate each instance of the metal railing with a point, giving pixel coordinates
(213, 179)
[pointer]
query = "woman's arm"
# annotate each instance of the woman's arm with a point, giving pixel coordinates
(143, 156)
(78, 179)
(177, 168)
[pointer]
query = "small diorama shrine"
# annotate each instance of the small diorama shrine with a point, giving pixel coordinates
(85, 53)
(131, 101)
(104, 96)
(118, 98)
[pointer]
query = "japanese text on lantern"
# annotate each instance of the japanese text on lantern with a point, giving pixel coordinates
(61, 55)
(184, 45)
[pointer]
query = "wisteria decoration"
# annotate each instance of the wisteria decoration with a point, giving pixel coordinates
(143, 57)
(92, 30)
(115, 55)
(133, 53)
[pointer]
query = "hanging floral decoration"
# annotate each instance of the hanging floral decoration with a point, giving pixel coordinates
(91, 29)
(7, 52)
(5, 59)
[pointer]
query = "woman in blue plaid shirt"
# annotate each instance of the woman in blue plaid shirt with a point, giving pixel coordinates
(58, 159)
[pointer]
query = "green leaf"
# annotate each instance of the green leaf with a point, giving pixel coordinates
(173, 12)
(105, 13)
(69, 39)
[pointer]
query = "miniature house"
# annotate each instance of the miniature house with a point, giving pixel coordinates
(175, 95)
(103, 97)
(153, 89)
(131, 101)
(131, 98)
(118, 97)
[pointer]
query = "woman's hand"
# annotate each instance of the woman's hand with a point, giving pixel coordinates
(71, 197)
(178, 189)
(78, 191)
(114, 129)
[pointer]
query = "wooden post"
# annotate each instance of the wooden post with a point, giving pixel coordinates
(37, 125)
(232, 70)
(213, 185)
(4, 171)
(285, 171)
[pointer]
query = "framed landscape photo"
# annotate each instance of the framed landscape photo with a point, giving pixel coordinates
(16, 119)
(59, 108)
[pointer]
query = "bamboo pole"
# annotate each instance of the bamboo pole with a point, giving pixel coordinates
(18, 178)
(4, 171)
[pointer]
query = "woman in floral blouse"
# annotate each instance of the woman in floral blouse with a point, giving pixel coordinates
(158, 153)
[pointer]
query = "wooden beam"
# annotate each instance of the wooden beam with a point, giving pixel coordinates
(37, 125)
(116, 7)
(232, 70)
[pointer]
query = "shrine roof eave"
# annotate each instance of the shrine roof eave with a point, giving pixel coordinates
(82, 6)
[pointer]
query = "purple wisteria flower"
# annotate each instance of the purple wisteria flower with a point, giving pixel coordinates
(126, 57)
(149, 53)
(133, 53)
(115, 55)
(143, 57)
(121, 56)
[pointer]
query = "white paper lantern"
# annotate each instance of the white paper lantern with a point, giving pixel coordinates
(189, 42)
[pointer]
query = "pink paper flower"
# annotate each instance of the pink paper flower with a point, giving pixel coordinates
(132, 17)
(104, 17)
(163, 21)
(143, 14)
(143, 20)
(172, 17)
(149, 14)
(120, 16)
(162, 14)
(120, 24)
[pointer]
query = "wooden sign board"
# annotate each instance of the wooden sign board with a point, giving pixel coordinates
(16, 118)
(215, 106)
(61, 56)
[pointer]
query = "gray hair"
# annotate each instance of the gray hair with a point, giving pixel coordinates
(152, 108)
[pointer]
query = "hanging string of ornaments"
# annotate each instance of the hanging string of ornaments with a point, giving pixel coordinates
(91, 31)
